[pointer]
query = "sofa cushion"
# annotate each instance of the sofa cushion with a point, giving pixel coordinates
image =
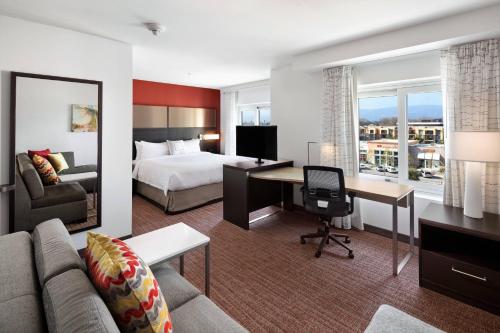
(60, 194)
(202, 315)
(58, 162)
(30, 176)
(43, 152)
(20, 309)
(176, 289)
(127, 285)
(55, 252)
(45, 170)
(17, 266)
(73, 305)
(22, 314)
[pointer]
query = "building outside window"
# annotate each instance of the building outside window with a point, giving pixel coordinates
(401, 134)
(255, 115)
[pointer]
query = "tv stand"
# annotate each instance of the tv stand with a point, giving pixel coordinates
(259, 161)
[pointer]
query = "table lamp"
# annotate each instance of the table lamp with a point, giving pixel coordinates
(474, 148)
(210, 136)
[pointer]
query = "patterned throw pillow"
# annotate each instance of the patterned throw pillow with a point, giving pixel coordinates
(127, 285)
(58, 162)
(45, 170)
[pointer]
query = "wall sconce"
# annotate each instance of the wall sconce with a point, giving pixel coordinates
(210, 136)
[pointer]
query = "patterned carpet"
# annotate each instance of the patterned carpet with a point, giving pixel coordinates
(269, 282)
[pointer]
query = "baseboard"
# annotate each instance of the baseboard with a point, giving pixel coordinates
(388, 233)
(80, 251)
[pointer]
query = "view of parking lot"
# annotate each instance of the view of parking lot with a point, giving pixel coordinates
(379, 141)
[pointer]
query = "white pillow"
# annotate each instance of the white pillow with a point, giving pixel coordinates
(151, 150)
(176, 147)
(138, 149)
(192, 146)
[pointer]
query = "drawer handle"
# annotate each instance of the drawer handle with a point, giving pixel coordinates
(468, 274)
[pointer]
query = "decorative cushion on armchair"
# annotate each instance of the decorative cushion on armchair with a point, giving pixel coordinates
(45, 170)
(58, 162)
(127, 285)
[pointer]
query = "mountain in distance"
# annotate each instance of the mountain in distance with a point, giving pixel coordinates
(415, 113)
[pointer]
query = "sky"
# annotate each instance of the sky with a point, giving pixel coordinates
(419, 104)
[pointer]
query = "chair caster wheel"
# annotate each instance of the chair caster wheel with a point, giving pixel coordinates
(302, 241)
(351, 255)
(317, 254)
(347, 241)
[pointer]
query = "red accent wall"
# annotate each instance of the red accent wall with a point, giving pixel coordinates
(166, 94)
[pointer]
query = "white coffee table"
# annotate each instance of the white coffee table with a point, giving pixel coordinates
(171, 242)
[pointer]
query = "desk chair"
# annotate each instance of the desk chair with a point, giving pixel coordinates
(324, 194)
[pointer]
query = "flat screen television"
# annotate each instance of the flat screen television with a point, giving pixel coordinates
(260, 142)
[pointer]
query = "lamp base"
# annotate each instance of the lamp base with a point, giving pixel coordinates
(473, 198)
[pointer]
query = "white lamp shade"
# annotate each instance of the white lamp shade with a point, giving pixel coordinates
(474, 146)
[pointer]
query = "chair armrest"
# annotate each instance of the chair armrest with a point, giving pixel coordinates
(81, 169)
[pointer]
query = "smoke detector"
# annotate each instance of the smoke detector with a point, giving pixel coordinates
(155, 28)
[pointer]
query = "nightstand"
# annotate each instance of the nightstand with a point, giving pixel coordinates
(460, 256)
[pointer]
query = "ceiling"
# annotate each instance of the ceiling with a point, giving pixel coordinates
(217, 43)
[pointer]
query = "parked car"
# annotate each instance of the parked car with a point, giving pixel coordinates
(428, 173)
(380, 168)
(392, 169)
(363, 166)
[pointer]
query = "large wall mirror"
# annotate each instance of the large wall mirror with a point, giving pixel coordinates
(56, 131)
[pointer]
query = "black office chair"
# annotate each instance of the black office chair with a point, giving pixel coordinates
(324, 195)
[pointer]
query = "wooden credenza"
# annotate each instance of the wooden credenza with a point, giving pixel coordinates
(460, 256)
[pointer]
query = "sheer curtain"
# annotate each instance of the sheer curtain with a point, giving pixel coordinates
(470, 76)
(338, 130)
(229, 116)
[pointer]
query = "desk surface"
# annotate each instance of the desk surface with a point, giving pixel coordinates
(363, 188)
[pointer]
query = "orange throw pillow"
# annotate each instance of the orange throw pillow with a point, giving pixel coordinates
(45, 170)
(127, 285)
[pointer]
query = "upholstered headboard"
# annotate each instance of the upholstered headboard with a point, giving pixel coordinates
(161, 123)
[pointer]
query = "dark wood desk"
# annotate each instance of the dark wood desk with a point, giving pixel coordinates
(460, 256)
(243, 194)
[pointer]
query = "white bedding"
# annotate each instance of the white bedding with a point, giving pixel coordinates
(180, 172)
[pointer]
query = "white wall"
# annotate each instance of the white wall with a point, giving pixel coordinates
(296, 110)
(254, 95)
(296, 98)
(44, 114)
(416, 66)
(472, 25)
(42, 49)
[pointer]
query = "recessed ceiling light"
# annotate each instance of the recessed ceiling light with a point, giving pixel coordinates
(155, 28)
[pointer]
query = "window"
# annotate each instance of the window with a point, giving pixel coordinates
(252, 115)
(378, 140)
(410, 153)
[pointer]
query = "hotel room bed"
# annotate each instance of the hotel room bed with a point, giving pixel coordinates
(181, 182)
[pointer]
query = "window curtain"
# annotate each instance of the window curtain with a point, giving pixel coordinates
(470, 76)
(229, 112)
(339, 133)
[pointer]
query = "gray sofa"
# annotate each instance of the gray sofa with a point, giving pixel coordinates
(35, 203)
(87, 184)
(45, 288)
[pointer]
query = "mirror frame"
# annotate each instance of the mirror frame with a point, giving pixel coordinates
(12, 149)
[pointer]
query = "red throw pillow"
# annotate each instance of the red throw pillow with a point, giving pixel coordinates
(44, 153)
